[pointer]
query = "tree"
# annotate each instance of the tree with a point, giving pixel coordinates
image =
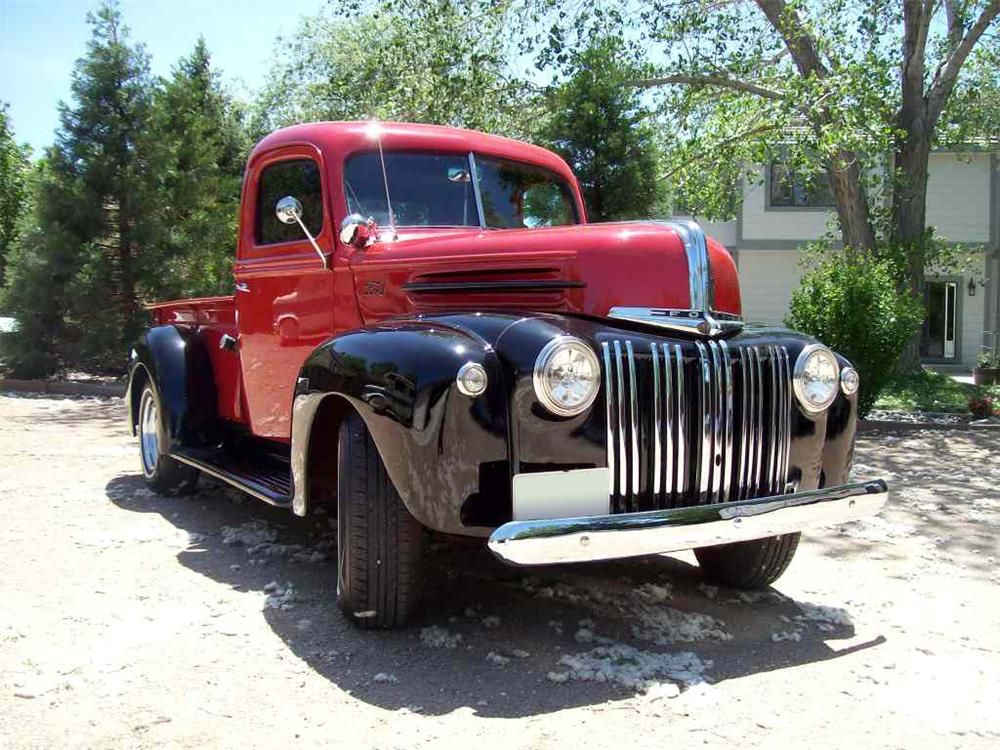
(442, 62)
(95, 196)
(842, 85)
(602, 130)
(203, 147)
(14, 171)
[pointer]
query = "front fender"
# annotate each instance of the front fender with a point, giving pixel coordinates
(445, 452)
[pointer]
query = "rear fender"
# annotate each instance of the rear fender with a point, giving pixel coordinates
(445, 452)
(176, 361)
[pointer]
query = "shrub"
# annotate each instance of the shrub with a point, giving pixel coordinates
(856, 305)
(984, 406)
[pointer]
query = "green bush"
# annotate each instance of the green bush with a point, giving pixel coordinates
(854, 304)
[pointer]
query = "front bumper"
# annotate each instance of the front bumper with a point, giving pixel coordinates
(583, 539)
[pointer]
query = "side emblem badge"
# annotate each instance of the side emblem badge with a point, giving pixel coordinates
(374, 289)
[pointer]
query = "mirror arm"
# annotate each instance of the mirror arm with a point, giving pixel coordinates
(312, 241)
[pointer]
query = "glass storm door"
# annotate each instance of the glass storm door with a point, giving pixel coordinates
(940, 326)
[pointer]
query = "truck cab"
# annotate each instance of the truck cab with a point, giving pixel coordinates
(427, 334)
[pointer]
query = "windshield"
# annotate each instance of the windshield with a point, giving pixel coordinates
(431, 189)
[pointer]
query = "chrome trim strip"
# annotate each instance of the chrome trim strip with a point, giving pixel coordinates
(701, 289)
(668, 396)
(657, 422)
(727, 387)
(607, 406)
(634, 494)
(561, 540)
(474, 172)
(710, 323)
(680, 474)
(622, 469)
(228, 479)
(772, 459)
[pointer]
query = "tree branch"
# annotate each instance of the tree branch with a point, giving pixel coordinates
(797, 37)
(712, 148)
(944, 81)
(703, 80)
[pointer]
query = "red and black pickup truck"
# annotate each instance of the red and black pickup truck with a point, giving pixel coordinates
(426, 333)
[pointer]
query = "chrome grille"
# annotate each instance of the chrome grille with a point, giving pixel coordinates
(690, 424)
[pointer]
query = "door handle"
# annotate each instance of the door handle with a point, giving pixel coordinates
(242, 286)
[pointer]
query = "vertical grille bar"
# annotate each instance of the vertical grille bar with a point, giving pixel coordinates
(772, 458)
(744, 425)
(705, 444)
(680, 473)
(758, 436)
(727, 387)
(622, 468)
(657, 422)
(610, 431)
(786, 410)
(718, 422)
(634, 488)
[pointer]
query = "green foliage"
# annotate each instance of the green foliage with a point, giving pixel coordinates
(927, 391)
(598, 124)
(855, 304)
(14, 172)
(441, 62)
(137, 199)
(202, 149)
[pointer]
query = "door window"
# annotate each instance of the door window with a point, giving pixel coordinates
(299, 178)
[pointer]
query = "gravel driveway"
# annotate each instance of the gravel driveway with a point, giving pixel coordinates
(131, 620)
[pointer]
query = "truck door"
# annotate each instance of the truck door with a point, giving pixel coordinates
(284, 294)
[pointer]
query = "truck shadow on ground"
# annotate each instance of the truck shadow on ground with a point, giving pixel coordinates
(486, 636)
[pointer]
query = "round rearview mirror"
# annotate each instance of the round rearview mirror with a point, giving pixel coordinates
(355, 230)
(288, 210)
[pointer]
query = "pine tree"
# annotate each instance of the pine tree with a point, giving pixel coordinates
(76, 292)
(14, 171)
(600, 127)
(200, 129)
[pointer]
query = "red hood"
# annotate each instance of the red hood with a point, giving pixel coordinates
(587, 268)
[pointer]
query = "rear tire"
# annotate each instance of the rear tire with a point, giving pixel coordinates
(748, 565)
(378, 541)
(163, 474)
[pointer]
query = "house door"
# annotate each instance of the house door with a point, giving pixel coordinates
(941, 325)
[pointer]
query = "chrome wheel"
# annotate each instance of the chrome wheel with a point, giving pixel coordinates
(149, 435)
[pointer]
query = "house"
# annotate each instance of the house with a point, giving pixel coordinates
(778, 213)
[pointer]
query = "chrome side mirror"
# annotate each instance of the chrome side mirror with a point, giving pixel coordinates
(289, 210)
(357, 231)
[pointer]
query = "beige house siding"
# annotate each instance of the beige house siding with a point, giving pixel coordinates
(763, 223)
(958, 196)
(767, 279)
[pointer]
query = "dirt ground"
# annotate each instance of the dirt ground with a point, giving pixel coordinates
(131, 620)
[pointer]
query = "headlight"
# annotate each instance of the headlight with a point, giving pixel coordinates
(567, 376)
(850, 381)
(817, 377)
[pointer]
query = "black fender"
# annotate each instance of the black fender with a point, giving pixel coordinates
(177, 362)
(445, 452)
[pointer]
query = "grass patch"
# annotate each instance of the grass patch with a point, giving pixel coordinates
(928, 391)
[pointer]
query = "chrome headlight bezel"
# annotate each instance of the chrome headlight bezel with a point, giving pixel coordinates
(538, 378)
(799, 379)
(850, 380)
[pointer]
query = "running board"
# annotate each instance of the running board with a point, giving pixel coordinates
(266, 479)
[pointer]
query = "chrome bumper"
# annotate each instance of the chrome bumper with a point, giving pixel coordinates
(583, 539)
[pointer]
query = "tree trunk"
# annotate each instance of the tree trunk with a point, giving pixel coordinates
(852, 203)
(909, 214)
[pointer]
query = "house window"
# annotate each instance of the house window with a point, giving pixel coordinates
(300, 179)
(791, 189)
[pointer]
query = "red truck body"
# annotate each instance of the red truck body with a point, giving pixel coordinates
(487, 364)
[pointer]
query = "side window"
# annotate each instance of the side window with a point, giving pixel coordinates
(300, 179)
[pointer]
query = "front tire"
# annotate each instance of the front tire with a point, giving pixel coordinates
(748, 565)
(379, 543)
(163, 474)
